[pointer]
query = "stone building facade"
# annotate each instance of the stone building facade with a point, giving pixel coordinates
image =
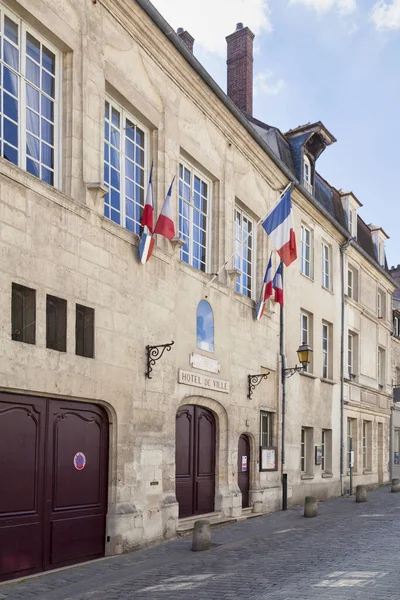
(93, 94)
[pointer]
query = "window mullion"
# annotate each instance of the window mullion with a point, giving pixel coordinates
(122, 169)
(22, 100)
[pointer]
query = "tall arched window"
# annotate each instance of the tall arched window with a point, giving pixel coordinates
(205, 326)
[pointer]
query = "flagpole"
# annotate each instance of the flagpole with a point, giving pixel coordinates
(283, 380)
(248, 235)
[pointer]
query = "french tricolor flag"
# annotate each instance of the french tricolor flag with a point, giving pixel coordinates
(279, 227)
(165, 224)
(266, 291)
(147, 241)
(278, 285)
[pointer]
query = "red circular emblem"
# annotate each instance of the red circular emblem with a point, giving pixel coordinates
(79, 461)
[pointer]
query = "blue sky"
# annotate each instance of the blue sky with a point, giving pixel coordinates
(337, 61)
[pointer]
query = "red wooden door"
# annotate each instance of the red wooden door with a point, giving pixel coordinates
(244, 469)
(52, 508)
(195, 460)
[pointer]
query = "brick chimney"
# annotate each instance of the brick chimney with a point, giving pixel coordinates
(240, 68)
(186, 38)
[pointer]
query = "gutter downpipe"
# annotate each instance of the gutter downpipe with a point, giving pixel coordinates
(343, 249)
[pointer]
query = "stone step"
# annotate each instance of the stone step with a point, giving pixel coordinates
(186, 526)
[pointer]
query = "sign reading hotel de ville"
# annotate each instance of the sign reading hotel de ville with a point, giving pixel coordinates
(203, 381)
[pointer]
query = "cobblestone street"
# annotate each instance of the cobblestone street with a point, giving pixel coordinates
(350, 551)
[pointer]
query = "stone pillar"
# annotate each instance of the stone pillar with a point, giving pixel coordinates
(361, 493)
(395, 485)
(310, 507)
(201, 536)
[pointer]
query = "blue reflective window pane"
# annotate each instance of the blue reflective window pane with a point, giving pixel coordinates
(48, 84)
(32, 72)
(10, 154)
(130, 225)
(33, 47)
(32, 98)
(138, 212)
(139, 195)
(47, 108)
(33, 167)
(139, 156)
(107, 110)
(107, 199)
(184, 254)
(106, 131)
(140, 137)
(204, 188)
(196, 200)
(32, 146)
(106, 211)
(205, 326)
(47, 176)
(115, 117)
(115, 200)
(47, 156)
(197, 184)
(115, 137)
(32, 122)
(129, 209)
(48, 60)
(115, 216)
(129, 169)
(11, 55)
(129, 130)
(115, 179)
(106, 174)
(187, 176)
(115, 158)
(129, 188)
(106, 152)
(139, 178)
(47, 132)
(10, 82)
(10, 107)
(129, 149)
(11, 132)
(11, 30)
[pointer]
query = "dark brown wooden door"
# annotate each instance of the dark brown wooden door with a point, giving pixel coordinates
(244, 469)
(195, 460)
(53, 481)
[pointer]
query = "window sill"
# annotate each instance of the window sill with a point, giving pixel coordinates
(327, 290)
(328, 381)
(326, 475)
(307, 277)
(309, 375)
(366, 472)
(307, 476)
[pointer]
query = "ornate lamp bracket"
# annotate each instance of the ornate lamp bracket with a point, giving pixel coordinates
(154, 353)
(254, 381)
(293, 370)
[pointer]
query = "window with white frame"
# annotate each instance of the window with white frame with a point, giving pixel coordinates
(307, 174)
(326, 443)
(326, 351)
(305, 251)
(326, 266)
(306, 450)
(396, 329)
(29, 107)
(266, 432)
(352, 283)
(244, 252)
(381, 304)
(194, 216)
(381, 366)
(366, 444)
(351, 441)
(125, 165)
(352, 354)
(306, 333)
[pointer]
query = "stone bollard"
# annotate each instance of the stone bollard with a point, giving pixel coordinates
(361, 493)
(395, 485)
(201, 536)
(310, 507)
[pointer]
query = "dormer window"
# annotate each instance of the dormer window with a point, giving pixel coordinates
(307, 174)
(379, 237)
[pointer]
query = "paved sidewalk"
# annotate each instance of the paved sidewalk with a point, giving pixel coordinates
(350, 551)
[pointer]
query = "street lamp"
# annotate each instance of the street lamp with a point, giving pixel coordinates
(304, 353)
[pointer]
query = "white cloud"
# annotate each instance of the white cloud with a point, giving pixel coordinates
(343, 7)
(265, 83)
(386, 15)
(210, 21)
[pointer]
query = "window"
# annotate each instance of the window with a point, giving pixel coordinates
(326, 464)
(351, 441)
(326, 266)
(306, 333)
(381, 304)
(396, 330)
(352, 284)
(84, 331)
(23, 314)
(244, 252)
(29, 107)
(326, 351)
(194, 216)
(396, 446)
(266, 428)
(307, 174)
(352, 222)
(366, 444)
(306, 450)
(125, 151)
(205, 326)
(56, 323)
(352, 354)
(381, 366)
(305, 254)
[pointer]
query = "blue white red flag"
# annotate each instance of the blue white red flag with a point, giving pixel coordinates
(266, 291)
(279, 227)
(165, 224)
(147, 241)
(278, 285)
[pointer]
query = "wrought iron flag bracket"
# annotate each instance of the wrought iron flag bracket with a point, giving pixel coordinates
(154, 353)
(293, 370)
(254, 381)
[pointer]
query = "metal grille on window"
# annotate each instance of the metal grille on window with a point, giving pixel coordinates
(265, 429)
(124, 168)
(193, 217)
(244, 252)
